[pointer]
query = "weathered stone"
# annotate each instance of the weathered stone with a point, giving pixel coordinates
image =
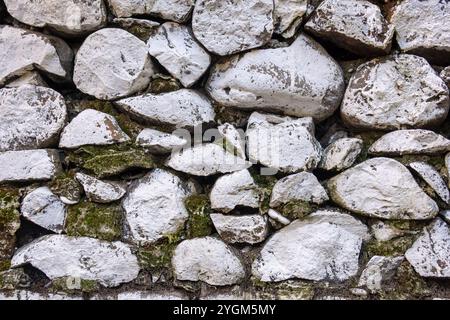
(285, 144)
(278, 217)
(154, 206)
(112, 63)
(432, 177)
(355, 25)
(205, 160)
(423, 28)
(141, 28)
(445, 215)
(395, 92)
(277, 80)
(235, 189)
(110, 263)
(381, 188)
(30, 117)
(383, 231)
(288, 16)
(341, 154)
(233, 139)
(70, 17)
(379, 270)
(414, 141)
(29, 165)
(27, 295)
(181, 108)
(44, 208)
(430, 254)
(100, 191)
(209, 260)
(241, 229)
(176, 49)
(32, 78)
(445, 75)
(92, 127)
(160, 142)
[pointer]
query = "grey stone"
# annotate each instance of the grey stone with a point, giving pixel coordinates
(432, 177)
(159, 142)
(241, 229)
(341, 154)
(100, 191)
(379, 270)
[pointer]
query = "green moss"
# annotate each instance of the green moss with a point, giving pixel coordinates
(162, 83)
(297, 209)
(265, 185)
(94, 220)
(72, 285)
(9, 220)
(157, 256)
(65, 185)
(397, 246)
(5, 265)
(199, 223)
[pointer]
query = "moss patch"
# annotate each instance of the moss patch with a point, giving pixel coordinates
(9, 221)
(65, 185)
(73, 285)
(199, 223)
(297, 209)
(5, 265)
(265, 185)
(161, 84)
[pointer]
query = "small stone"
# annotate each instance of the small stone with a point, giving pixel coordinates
(341, 154)
(302, 186)
(382, 188)
(359, 292)
(395, 92)
(379, 270)
(241, 229)
(205, 160)
(31, 78)
(30, 117)
(430, 254)
(235, 189)
(432, 177)
(100, 191)
(385, 232)
(176, 49)
(112, 63)
(110, 263)
(288, 16)
(233, 139)
(355, 25)
(159, 142)
(44, 208)
(209, 260)
(91, 127)
(278, 217)
(29, 165)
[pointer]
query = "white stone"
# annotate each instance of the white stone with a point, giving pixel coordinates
(112, 63)
(159, 142)
(100, 191)
(34, 296)
(355, 25)
(430, 254)
(341, 154)
(283, 145)
(181, 108)
(395, 92)
(278, 217)
(384, 232)
(205, 160)
(154, 206)
(445, 75)
(379, 270)
(44, 208)
(31, 78)
(110, 263)
(233, 139)
(234, 189)
(176, 49)
(209, 260)
(278, 80)
(241, 229)
(432, 177)
(92, 127)
(302, 186)
(29, 165)
(71, 17)
(288, 15)
(381, 188)
(30, 117)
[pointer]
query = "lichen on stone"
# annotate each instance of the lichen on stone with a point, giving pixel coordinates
(9, 224)
(199, 223)
(73, 285)
(65, 185)
(297, 209)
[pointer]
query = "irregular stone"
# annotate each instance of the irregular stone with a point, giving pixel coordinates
(445, 75)
(395, 92)
(70, 17)
(100, 191)
(176, 49)
(181, 108)
(159, 142)
(234, 140)
(29, 165)
(288, 16)
(9, 224)
(141, 28)
(110, 263)
(112, 63)
(430, 254)
(44, 208)
(309, 250)
(235, 189)
(241, 229)
(302, 186)
(379, 270)
(31, 78)
(284, 144)
(414, 141)
(432, 177)
(278, 217)
(381, 188)
(30, 117)
(205, 160)
(92, 127)
(209, 260)
(341, 154)
(385, 232)
(423, 28)
(50, 54)
(355, 25)
(277, 80)
(154, 206)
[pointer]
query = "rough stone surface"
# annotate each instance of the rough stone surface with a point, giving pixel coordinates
(277, 80)
(32, 78)
(381, 188)
(278, 217)
(112, 63)
(209, 260)
(395, 92)
(288, 15)
(385, 232)
(241, 229)
(234, 140)
(432, 178)
(159, 142)
(378, 271)
(100, 191)
(30, 117)
(445, 75)
(341, 154)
